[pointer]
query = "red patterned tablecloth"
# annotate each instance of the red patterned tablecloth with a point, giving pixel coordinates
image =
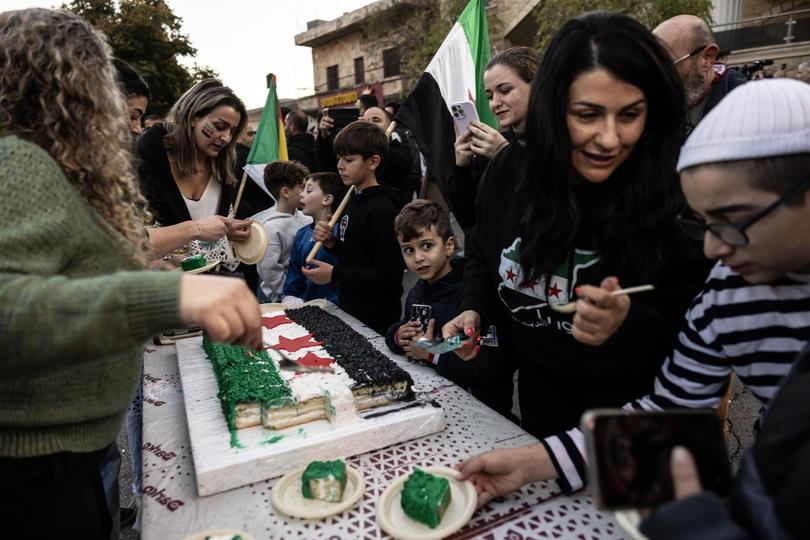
(171, 508)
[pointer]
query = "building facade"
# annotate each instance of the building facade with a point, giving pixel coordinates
(360, 52)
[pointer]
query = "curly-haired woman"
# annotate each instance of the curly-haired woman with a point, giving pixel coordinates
(76, 303)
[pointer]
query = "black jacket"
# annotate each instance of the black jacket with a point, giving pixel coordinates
(165, 200)
(369, 265)
(442, 297)
(462, 186)
(541, 336)
(731, 80)
(301, 148)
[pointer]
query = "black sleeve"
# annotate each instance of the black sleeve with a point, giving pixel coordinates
(389, 336)
(461, 189)
(327, 161)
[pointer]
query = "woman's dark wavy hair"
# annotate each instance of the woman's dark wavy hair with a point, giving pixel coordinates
(638, 203)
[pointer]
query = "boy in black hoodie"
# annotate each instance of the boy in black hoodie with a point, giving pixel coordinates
(369, 267)
(427, 244)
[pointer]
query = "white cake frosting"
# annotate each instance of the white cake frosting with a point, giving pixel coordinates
(335, 387)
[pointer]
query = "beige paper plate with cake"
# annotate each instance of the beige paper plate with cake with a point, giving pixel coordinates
(219, 534)
(437, 503)
(319, 490)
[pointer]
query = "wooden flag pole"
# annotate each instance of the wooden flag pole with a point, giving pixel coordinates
(335, 217)
(241, 189)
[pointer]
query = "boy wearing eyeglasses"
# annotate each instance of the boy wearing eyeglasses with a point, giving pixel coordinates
(747, 180)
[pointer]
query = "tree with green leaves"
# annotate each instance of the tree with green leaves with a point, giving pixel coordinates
(148, 35)
(551, 15)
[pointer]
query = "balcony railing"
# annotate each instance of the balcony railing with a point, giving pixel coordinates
(778, 29)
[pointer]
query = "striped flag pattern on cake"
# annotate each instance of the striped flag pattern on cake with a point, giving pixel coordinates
(270, 143)
(455, 74)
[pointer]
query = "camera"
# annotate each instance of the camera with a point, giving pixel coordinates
(749, 69)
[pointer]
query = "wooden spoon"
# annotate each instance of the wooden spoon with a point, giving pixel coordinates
(571, 307)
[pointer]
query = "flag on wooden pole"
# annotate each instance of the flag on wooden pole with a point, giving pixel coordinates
(269, 144)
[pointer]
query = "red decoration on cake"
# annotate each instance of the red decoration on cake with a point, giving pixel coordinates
(272, 322)
(292, 345)
(313, 360)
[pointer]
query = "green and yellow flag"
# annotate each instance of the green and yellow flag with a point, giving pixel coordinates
(270, 143)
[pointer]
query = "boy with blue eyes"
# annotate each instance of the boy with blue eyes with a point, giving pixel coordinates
(747, 179)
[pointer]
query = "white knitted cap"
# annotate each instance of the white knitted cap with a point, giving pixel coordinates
(759, 119)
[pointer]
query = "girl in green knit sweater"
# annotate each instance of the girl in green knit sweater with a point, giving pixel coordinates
(76, 303)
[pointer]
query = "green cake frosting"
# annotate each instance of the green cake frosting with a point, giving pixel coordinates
(245, 379)
(425, 497)
(324, 480)
(193, 262)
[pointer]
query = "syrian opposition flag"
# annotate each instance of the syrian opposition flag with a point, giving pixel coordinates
(455, 74)
(270, 144)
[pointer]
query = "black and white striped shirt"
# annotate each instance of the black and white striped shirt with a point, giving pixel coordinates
(756, 331)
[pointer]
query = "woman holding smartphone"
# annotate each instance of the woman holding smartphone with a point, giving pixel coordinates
(507, 80)
(586, 205)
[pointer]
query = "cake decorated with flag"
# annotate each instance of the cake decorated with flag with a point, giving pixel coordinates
(254, 390)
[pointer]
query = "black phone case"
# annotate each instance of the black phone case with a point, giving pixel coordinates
(422, 313)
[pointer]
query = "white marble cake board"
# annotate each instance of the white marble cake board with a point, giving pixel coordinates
(269, 453)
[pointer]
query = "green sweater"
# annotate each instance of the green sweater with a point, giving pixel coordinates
(74, 312)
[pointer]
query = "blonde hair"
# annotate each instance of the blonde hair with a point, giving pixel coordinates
(199, 100)
(58, 89)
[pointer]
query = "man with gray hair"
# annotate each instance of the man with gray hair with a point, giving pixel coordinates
(804, 71)
(694, 52)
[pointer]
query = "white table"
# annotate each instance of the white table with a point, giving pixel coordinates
(172, 509)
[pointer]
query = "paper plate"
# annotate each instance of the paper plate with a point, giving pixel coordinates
(392, 519)
(252, 250)
(630, 520)
(227, 533)
(206, 268)
(287, 497)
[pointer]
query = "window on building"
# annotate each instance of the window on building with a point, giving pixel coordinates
(391, 62)
(359, 71)
(332, 78)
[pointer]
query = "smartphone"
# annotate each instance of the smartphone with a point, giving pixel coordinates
(342, 117)
(172, 336)
(423, 314)
(629, 454)
(463, 114)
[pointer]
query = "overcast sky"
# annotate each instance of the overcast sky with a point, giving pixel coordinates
(243, 40)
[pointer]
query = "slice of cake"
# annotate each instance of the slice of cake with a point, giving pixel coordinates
(425, 497)
(193, 262)
(324, 480)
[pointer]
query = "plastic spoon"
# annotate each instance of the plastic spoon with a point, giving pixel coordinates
(571, 307)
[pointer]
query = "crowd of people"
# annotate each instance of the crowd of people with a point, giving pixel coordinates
(624, 157)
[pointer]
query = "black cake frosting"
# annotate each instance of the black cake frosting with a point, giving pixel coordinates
(363, 363)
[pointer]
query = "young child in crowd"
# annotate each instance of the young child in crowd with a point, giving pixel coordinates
(322, 194)
(427, 244)
(748, 187)
(368, 271)
(285, 182)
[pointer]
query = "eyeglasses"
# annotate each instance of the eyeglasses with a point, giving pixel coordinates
(733, 234)
(687, 56)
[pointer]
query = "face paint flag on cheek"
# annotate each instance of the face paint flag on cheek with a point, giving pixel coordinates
(208, 130)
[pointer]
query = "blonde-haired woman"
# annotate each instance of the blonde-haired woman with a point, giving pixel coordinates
(76, 304)
(187, 169)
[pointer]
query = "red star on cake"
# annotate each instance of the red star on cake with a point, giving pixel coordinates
(313, 360)
(292, 345)
(273, 322)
